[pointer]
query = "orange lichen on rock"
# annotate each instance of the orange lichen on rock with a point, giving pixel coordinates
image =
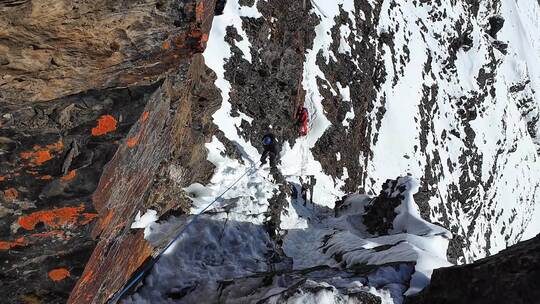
(106, 124)
(166, 45)
(57, 146)
(2, 178)
(41, 154)
(87, 277)
(6, 245)
(71, 175)
(37, 157)
(55, 233)
(46, 177)
(105, 221)
(132, 142)
(53, 218)
(144, 116)
(88, 217)
(204, 37)
(199, 11)
(58, 274)
(22, 241)
(11, 194)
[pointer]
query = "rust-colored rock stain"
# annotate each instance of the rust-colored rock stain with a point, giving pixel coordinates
(199, 11)
(58, 274)
(53, 218)
(46, 177)
(40, 154)
(53, 233)
(204, 38)
(71, 175)
(6, 245)
(37, 157)
(106, 124)
(88, 217)
(105, 221)
(2, 178)
(144, 116)
(87, 278)
(132, 142)
(11, 194)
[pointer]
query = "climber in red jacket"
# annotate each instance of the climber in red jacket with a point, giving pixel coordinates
(302, 119)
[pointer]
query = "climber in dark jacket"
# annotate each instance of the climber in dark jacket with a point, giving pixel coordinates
(271, 149)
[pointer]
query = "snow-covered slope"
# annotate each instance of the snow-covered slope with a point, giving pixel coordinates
(428, 89)
(467, 116)
(227, 255)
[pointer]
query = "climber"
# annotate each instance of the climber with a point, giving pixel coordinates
(303, 193)
(339, 205)
(271, 149)
(302, 119)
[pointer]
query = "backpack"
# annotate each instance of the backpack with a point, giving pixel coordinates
(267, 140)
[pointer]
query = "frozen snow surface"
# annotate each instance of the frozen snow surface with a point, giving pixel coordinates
(489, 197)
(149, 217)
(491, 160)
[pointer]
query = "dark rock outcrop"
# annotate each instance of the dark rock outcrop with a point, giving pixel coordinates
(380, 213)
(166, 145)
(510, 276)
(101, 109)
(496, 23)
(58, 153)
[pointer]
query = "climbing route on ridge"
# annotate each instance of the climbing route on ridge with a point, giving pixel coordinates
(176, 235)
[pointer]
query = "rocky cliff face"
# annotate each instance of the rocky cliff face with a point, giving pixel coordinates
(107, 109)
(90, 95)
(436, 109)
(507, 277)
(50, 50)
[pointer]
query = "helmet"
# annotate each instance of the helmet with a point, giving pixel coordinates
(267, 140)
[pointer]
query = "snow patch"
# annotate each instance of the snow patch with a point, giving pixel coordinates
(144, 221)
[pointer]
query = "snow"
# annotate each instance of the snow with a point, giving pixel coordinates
(521, 31)
(412, 240)
(230, 244)
(344, 47)
(149, 217)
(325, 189)
(211, 250)
(508, 189)
(533, 228)
(216, 54)
(251, 191)
(227, 244)
(345, 93)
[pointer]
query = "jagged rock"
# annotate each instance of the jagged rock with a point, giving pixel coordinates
(104, 106)
(380, 213)
(496, 23)
(47, 190)
(510, 276)
(76, 79)
(501, 46)
(50, 50)
(165, 139)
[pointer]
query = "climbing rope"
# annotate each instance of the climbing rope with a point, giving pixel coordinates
(149, 266)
